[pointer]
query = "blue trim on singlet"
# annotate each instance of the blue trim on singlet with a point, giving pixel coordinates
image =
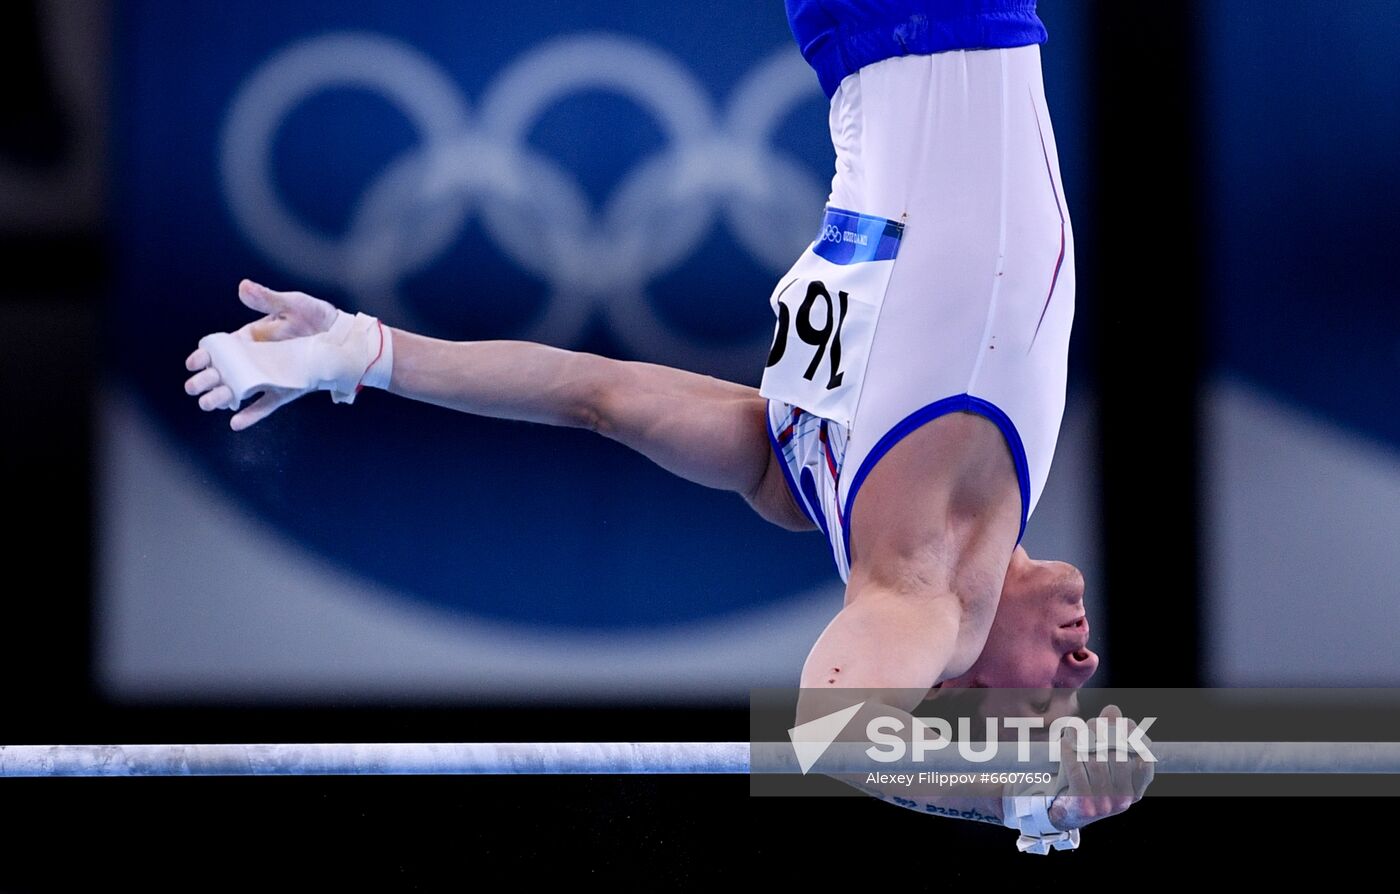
(957, 404)
(787, 472)
(809, 488)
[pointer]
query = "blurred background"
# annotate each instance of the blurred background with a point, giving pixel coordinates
(1228, 476)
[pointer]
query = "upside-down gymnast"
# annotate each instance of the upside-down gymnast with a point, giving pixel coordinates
(912, 397)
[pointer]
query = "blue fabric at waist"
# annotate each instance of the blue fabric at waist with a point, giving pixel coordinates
(839, 37)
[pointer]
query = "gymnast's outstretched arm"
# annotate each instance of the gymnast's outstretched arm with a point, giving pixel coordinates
(701, 428)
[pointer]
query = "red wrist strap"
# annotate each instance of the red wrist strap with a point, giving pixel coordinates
(361, 383)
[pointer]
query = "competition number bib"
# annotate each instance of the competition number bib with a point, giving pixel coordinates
(827, 307)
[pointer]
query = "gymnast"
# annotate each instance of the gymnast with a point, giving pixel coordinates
(911, 400)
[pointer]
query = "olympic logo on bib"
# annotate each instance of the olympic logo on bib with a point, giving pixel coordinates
(718, 165)
(831, 233)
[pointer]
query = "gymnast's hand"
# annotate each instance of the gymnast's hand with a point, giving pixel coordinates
(1096, 788)
(300, 344)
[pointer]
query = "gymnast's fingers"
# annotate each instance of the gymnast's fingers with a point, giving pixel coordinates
(260, 298)
(218, 398)
(1143, 770)
(1071, 766)
(261, 408)
(202, 381)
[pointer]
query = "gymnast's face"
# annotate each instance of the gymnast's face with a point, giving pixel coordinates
(1040, 635)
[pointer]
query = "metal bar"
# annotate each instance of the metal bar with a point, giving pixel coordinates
(616, 758)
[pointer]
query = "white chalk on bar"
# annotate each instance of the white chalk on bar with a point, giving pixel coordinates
(377, 759)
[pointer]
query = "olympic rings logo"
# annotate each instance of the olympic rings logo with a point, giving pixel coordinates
(718, 164)
(831, 233)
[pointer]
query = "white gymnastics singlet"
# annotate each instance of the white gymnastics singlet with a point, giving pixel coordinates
(942, 279)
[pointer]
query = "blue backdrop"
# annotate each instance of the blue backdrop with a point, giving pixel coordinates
(1303, 120)
(622, 177)
(1302, 137)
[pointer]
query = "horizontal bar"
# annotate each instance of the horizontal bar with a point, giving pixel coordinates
(377, 759)
(617, 758)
